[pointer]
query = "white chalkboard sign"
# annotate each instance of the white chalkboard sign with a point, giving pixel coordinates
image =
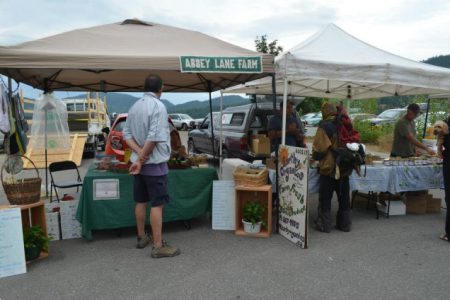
(12, 253)
(293, 193)
(223, 208)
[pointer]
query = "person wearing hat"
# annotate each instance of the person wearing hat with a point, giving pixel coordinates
(405, 141)
(295, 133)
(326, 141)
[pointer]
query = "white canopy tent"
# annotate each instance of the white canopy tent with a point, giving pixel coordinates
(334, 64)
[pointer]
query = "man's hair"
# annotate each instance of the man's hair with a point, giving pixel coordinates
(414, 108)
(153, 83)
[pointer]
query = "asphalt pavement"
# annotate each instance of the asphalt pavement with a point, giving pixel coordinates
(396, 258)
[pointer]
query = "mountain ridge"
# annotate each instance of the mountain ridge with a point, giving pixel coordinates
(121, 103)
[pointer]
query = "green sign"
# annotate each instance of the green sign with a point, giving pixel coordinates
(221, 64)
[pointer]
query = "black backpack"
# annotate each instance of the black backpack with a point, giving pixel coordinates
(348, 160)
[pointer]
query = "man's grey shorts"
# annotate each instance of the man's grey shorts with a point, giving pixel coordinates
(151, 189)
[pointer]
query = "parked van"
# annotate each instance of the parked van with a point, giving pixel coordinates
(240, 124)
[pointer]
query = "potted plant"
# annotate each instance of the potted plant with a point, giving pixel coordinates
(253, 213)
(35, 241)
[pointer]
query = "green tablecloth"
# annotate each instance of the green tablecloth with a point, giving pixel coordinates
(190, 192)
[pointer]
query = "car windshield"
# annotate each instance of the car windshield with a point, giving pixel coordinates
(391, 114)
(309, 115)
(186, 117)
(432, 117)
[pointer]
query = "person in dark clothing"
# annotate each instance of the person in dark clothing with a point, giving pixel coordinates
(446, 172)
(295, 133)
(325, 140)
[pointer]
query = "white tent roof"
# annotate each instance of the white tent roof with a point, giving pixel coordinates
(118, 57)
(334, 64)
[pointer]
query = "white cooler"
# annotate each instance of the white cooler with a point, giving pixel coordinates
(228, 166)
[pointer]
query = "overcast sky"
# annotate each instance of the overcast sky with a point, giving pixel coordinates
(415, 29)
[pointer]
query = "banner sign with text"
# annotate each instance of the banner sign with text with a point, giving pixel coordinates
(221, 64)
(293, 193)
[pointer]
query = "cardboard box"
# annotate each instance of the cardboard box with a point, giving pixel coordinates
(52, 218)
(385, 196)
(396, 208)
(70, 232)
(70, 227)
(416, 204)
(361, 200)
(52, 207)
(261, 144)
(434, 205)
(53, 232)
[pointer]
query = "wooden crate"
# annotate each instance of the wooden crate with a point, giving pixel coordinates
(34, 214)
(262, 194)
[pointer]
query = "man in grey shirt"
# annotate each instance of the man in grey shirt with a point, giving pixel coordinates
(405, 141)
(147, 134)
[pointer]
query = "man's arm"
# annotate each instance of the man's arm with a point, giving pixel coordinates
(412, 139)
(146, 151)
(133, 145)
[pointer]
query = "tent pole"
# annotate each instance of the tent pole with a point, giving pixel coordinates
(211, 120)
(46, 160)
(426, 118)
(221, 134)
(10, 88)
(277, 199)
(283, 126)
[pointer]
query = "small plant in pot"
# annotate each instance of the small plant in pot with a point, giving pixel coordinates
(253, 213)
(35, 241)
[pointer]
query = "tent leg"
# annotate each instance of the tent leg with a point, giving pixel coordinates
(212, 121)
(46, 161)
(221, 135)
(426, 119)
(277, 199)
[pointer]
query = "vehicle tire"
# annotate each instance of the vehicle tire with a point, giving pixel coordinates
(191, 147)
(90, 154)
(184, 126)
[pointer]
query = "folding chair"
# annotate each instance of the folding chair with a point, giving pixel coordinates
(59, 166)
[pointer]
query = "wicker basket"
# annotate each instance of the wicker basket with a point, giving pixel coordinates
(24, 191)
(250, 177)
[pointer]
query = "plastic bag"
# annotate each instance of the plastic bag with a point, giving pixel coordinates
(49, 124)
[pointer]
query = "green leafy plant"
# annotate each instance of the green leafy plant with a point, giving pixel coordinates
(253, 212)
(370, 134)
(35, 237)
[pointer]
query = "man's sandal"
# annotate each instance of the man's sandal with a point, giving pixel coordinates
(444, 237)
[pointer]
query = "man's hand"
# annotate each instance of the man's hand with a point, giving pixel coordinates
(135, 168)
(431, 151)
(142, 156)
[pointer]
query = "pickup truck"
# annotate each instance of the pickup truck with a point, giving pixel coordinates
(239, 124)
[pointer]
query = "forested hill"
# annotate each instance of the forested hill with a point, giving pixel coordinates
(121, 103)
(440, 60)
